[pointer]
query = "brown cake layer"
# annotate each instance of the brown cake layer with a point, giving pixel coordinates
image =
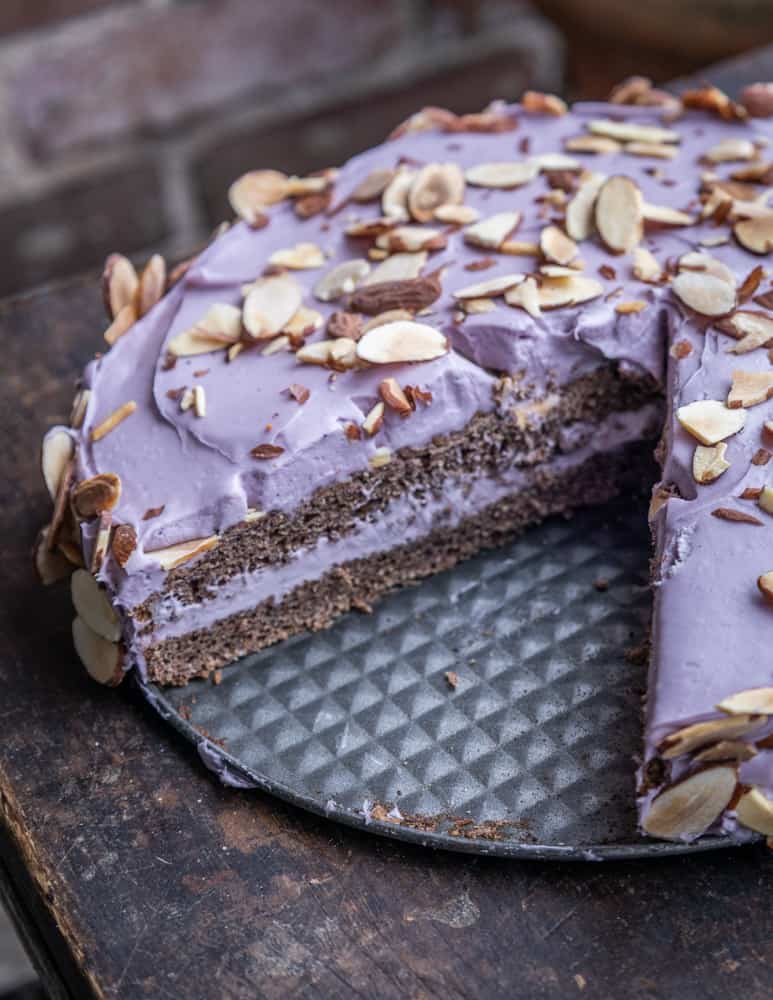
(356, 584)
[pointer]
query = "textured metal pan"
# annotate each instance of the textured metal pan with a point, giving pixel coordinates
(530, 755)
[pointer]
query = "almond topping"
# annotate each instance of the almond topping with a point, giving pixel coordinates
(304, 322)
(92, 496)
(556, 165)
(503, 175)
(394, 201)
(298, 392)
(345, 324)
(734, 750)
(456, 215)
(710, 421)
(731, 149)
(688, 807)
(254, 191)
(517, 248)
(477, 307)
(57, 450)
(765, 583)
(103, 660)
(535, 102)
(753, 701)
(657, 150)
(220, 325)
(152, 284)
(398, 267)
(645, 266)
(494, 286)
(411, 239)
(79, 407)
(729, 514)
(755, 235)
(618, 214)
(270, 304)
(302, 256)
(380, 457)
(491, 232)
(175, 555)
(526, 296)
(375, 418)
(124, 543)
(705, 293)
(580, 210)
(758, 99)
(299, 187)
(341, 280)
(50, 566)
(102, 541)
(630, 307)
(553, 293)
(631, 132)
(598, 144)
(750, 388)
(754, 330)
(93, 605)
(765, 499)
(755, 811)
(662, 215)
(708, 462)
(199, 401)
(119, 284)
(373, 186)
(413, 294)
(111, 422)
(434, 185)
(695, 261)
(699, 734)
(397, 342)
(123, 322)
(556, 246)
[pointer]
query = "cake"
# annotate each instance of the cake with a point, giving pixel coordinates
(377, 371)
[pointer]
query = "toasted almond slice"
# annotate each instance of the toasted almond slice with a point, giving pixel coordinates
(370, 228)
(93, 605)
(123, 322)
(152, 285)
(303, 322)
(754, 329)
(556, 246)
(708, 462)
(765, 583)
(714, 241)
(403, 341)
(50, 566)
(657, 150)
(281, 343)
(750, 388)
(103, 660)
(374, 420)
(119, 284)
(536, 102)
(580, 210)
(755, 235)
(494, 286)
(503, 175)
(554, 293)
(301, 257)
(696, 261)
(618, 214)
(752, 701)
(380, 457)
(477, 307)
(492, 231)
(645, 266)
(411, 239)
(705, 293)
(456, 215)
(556, 161)
(256, 190)
(730, 750)
(598, 144)
(390, 316)
(755, 811)
(731, 149)
(341, 280)
(58, 448)
(710, 421)
(79, 407)
(765, 499)
(343, 354)
(559, 271)
(175, 555)
(199, 401)
(631, 307)
(525, 296)
(397, 267)
(519, 248)
(187, 400)
(394, 201)
(270, 304)
(299, 187)
(662, 215)
(435, 184)
(220, 325)
(317, 353)
(631, 132)
(113, 420)
(373, 186)
(394, 396)
(96, 494)
(687, 808)
(759, 172)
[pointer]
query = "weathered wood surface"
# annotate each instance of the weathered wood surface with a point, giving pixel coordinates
(139, 876)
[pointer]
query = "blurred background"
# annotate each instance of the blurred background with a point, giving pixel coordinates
(122, 122)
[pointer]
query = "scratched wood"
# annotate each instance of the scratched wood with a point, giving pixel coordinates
(135, 875)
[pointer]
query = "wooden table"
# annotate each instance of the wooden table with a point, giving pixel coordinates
(131, 873)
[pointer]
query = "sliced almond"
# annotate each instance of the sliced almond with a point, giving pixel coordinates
(50, 566)
(656, 150)
(662, 215)
(559, 271)
(338, 352)
(630, 307)
(119, 284)
(708, 462)
(411, 239)
(398, 267)
(152, 284)
(765, 499)
(756, 235)
(491, 232)
(370, 228)
(303, 322)
(580, 210)
(752, 701)
(394, 396)
(503, 175)
(79, 407)
(631, 132)
(93, 605)
(696, 261)
(301, 187)
(535, 102)
(556, 161)
(731, 149)
(374, 420)
(256, 190)
(494, 286)
(456, 215)
(96, 494)
(220, 325)
(477, 307)
(556, 246)
(103, 660)
(380, 457)
(390, 316)
(398, 342)
(731, 750)
(710, 421)
(394, 201)
(343, 354)
(373, 186)
(688, 807)
(705, 293)
(123, 322)
(554, 293)
(754, 330)
(199, 401)
(123, 544)
(525, 296)
(113, 420)
(435, 184)
(281, 343)
(598, 144)
(645, 266)
(750, 388)
(175, 555)
(755, 811)
(714, 241)
(618, 214)
(519, 248)
(341, 280)
(765, 584)
(270, 304)
(301, 257)
(58, 448)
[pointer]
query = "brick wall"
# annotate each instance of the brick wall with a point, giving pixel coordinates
(121, 123)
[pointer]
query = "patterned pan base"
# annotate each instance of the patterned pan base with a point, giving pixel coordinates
(495, 708)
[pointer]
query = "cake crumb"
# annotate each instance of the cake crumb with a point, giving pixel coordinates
(452, 679)
(601, 584)
(217, 677)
